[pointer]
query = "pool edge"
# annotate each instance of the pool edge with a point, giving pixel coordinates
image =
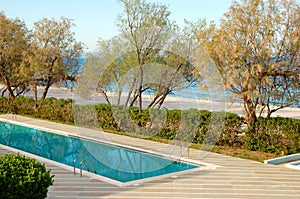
(202, 165)
(283, 159)
(292, 166)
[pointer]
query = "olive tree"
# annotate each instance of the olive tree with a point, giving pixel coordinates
(146, 26)
(14, 42)
(53, 56)
(257, 51)
(150, 55)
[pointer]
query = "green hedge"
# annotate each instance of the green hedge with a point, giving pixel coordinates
(50, 108)
(55, 109)
(22, 177)
(275, 135)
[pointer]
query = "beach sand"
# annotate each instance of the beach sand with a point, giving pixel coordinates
(171, 102)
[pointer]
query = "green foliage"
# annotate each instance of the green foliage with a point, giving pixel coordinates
(256, 50)
(4, 105)
(50, 108)
(55, 110)
(147, 56)
(105, 117)
(203, 126)
(18, 105)
(22, 177)
(22, 104)
(44, 56)
(94, 116)
(53, 54)
(232, 134)
(274, 135)
(170, 130)
(14, 41)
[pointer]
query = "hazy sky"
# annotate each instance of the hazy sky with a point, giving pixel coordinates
(96, 18)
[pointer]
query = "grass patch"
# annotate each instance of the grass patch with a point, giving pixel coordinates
(244, 153)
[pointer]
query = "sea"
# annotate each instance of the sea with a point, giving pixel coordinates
(188, 92)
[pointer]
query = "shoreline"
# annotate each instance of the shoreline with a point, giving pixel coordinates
(171, 102)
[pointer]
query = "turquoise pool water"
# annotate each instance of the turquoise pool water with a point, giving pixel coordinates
(296, 164)
(293, 165)
(114, 162)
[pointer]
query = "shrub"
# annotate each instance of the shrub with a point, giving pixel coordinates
(23, 105)
(85, 115)
(274, 135)
(4, 105)
(50, 108)
(22, 177)
(232, 134)
(170, 130)
(54, 109)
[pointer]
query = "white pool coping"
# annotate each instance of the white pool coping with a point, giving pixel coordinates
(293, 166)
(203, 165)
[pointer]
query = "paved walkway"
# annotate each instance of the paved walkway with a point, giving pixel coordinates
(235, 178)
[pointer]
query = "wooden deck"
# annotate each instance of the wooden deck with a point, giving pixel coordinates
(235, 178)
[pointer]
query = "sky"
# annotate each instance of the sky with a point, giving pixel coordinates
(95, 19)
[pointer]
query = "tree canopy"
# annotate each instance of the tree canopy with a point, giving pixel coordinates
(14, 41)
(53, 55)
(257, 51)
(150, 55)
(42, 57)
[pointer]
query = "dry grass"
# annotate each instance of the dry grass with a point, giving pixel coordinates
(231, 151)
(244, 153)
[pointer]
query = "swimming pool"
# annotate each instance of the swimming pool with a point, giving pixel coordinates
(283, 159)
(293, 165)
(113, 162)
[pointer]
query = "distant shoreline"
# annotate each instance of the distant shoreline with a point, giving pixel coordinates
(172, 102)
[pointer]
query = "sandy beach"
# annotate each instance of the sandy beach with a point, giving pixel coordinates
(171, 102)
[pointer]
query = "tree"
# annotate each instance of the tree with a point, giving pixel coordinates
(257, 51)
(151, 55)
(145, 26)
(14, 41)
(103, 70)
(53, 54)
(181, 71)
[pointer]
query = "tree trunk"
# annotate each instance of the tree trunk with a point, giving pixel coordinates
(3, 92)
(133, 99)
(8, 86)
(162, 99)
(46, 88)
(127, 99)
(119, 98)
(270, 111)
(35, 93)
(153, 101)
(129, 93)
(140, 100)
(106, 97)
(250, 110)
